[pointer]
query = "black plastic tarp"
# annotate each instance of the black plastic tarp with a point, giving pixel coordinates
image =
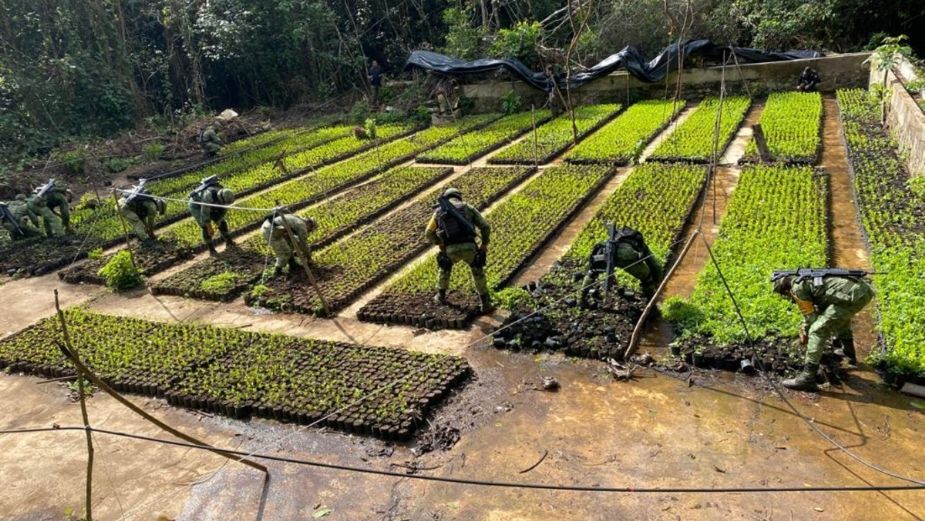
(628, 58)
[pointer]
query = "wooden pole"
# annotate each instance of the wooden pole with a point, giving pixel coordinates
(637, 331)
(81, 393)
(304, 255)
(89, 375)
(536, 159)
(761, 143)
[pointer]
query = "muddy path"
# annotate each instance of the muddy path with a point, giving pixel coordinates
(848, 247)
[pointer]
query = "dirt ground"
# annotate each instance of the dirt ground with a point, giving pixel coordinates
(711, 431)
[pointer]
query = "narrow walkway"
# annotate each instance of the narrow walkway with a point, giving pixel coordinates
(711, 212)
(848, 247)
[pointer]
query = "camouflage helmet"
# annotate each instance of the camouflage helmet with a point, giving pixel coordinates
(225, 196)
(451, 192)
(783, 284)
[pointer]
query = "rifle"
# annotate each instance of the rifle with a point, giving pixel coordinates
(614, 237)
(212, 180)
(819, 274)
(5, 213)
(45, 188)
(137, 191)
(448, 207)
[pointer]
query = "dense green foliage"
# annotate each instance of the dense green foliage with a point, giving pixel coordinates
(120, 272)
(692, 140)
(519, 225)
(776, 219)
(792, 123)
(895, 224)
(84, 67)
(242, 373)
(622, 140)
(555, 136)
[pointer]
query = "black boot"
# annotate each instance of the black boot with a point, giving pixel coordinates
(485, 304)
(277, 271)
(212, 251)
(845, 347)
(294, 266)
(805, 381)
(440, 297)
(223, 229)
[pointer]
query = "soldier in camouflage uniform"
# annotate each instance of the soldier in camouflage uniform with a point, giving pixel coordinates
(56, 197)
(277, 236)
(632, 255)
(59, 198)
(210, 142)
(457, 244)
(141, 213)
(827, 310)
(18, 220)
(206, 215)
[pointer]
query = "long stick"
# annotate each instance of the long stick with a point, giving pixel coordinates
(536, 159)
(81, 393)
(89, 375)
(637, 331)
(299, 248)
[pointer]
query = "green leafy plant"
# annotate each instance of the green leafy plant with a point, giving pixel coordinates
(95, 254)
(895, 227)
(520, 225)
(514, 298)
(760, 233)
(221, 282)
(370, 127)
(511, 103)
(465, 148)
(153, 151)
(120, 273)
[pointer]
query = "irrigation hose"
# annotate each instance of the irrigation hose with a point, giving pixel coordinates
(485, 483)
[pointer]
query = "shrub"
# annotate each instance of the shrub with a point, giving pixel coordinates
(221, 283)
(511, 103)
(513, 298)
(120, 272)
(152, 151)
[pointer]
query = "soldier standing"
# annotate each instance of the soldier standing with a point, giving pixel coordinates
(453, 228)
(827, 304)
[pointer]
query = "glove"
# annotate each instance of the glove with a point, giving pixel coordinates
(804, 338)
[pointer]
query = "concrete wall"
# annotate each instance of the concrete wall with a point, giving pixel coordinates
(843, 70)
(904, 117)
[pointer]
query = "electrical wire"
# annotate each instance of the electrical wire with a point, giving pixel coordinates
(480, 482)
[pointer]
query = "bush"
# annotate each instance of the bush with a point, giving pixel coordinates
(370, 127)
(511, 103)
(118, 164)
(152, 151)
(359, 112)
(73, 161)
(221, 283)
(120, 272)
(513, 298)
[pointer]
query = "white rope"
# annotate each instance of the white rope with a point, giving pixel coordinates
(212, 205)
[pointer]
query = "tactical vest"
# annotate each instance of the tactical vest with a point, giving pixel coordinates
(451, 229)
